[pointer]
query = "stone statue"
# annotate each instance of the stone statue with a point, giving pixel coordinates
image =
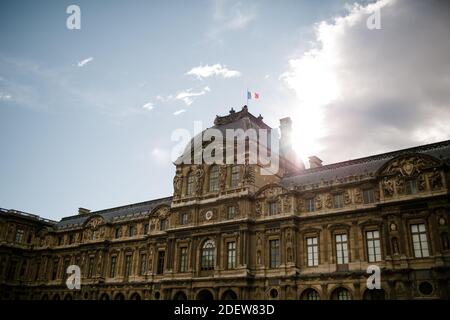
(248, 176)
(199, 175)
(177, 183)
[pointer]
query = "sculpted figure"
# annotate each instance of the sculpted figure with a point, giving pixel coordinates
(199, 175)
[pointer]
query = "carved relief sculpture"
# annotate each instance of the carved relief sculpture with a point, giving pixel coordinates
(388, 187)
(223, 177)
(435, 180)
(358, 195)
(287, 206)
(400, 185)
(328, 201)
(347, 198)
(318, 203)
(249, 175)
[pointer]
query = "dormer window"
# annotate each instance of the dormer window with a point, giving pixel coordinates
(273, 208)
(368, 196)
(411, 186)
(310, 205)
(163, 224)
(338, 200)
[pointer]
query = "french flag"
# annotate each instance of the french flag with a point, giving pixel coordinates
(252, 95)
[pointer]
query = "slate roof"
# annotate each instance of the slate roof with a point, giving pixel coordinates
(135, 210)
(234, 120)
(366, 167)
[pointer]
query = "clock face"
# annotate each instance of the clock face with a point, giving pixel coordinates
(208, 215)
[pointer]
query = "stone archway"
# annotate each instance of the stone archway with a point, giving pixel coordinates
(119, 296)
(68, 297)
(375, 294)
(229, 295)
(104, 296)
(180, 295)
(135, 296)
(205, 295)
(341, 293)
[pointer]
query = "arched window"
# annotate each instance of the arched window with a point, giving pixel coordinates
(208, 255)
(341, 294)
(190, 184)
(310, 294)
(214, 178)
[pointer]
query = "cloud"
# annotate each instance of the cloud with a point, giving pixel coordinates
(361, 91)
(160, 156)
(214, 70)
(82, 63)
(187, 96)
(5, 96)
(176, 113)
(148, 106)
(230, 16)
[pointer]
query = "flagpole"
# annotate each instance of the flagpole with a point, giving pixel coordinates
(246, 94)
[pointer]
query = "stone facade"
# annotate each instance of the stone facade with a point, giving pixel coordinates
(229, 232)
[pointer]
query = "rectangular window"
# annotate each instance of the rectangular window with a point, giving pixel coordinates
(235, 176)
(55, 269)
(274, 253)
(161, 257)
(338, 200)
(312, 245)
(184, 218)
(71, 239)
(117, 233)
(23, 268)
(411, 186)
(38, 268)
(127, 266)
(65, 266)
(163, 224)
(190, 184)
(231, 212)
(310, 205)
(341, 249)
(91, 267)
(214, 178)
(419, 240)
(183, 258)
(145, 228)
(112, 270)
(231, 255)
(273, 208)
(19, 235)
(368, 196)
(143, 264)
(12, 270)
(373, 246)
(131, 231)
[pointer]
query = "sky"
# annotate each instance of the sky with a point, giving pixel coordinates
(86, 115)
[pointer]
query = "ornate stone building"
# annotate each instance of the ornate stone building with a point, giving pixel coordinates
(229, 232)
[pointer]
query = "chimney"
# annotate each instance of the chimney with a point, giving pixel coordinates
(314, 162)
(294, 164)
(83, 211)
